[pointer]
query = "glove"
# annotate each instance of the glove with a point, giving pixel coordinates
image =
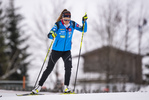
(84, 18)
(52, 33)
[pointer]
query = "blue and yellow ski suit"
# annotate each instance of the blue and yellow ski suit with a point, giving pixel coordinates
(64, 36)
(61, 48)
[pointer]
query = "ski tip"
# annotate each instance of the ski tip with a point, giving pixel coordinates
(29, 94)
(69, 93)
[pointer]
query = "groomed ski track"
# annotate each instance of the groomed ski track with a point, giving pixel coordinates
(11, 95)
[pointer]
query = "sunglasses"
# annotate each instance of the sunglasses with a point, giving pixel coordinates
(66, 19)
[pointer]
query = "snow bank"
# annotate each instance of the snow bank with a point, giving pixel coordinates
(144, 89)
(94, 96)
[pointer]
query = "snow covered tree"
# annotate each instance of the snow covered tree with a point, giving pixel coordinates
(17, 66)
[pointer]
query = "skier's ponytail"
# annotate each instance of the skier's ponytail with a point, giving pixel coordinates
(60, 17)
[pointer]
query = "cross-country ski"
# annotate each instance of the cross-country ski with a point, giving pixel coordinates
(11, 95)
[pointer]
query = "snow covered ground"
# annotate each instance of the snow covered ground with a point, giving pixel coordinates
(11, 95)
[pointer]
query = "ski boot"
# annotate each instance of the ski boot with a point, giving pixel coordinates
(66, 90)
(36, 89)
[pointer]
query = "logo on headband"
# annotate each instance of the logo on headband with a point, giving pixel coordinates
(66, 14)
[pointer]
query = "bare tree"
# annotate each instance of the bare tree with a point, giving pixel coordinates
(142, 21)
(107, 28)
(128, 24)
(114, 26)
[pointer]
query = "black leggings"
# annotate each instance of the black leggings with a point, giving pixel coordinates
(55, 55)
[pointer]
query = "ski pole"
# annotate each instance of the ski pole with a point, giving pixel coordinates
(79, 55)
(44, 62)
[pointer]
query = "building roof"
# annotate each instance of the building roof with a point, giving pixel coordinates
(106, 48)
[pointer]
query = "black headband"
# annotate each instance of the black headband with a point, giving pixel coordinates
(66, 14)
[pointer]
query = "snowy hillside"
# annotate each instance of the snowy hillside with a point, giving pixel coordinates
(11, 95)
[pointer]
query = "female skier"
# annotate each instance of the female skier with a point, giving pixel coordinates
(62, 32)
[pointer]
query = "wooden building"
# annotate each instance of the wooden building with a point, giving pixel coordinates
(116, 64)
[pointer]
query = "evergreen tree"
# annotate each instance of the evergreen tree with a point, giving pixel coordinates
(17, 67)
(3, 57)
